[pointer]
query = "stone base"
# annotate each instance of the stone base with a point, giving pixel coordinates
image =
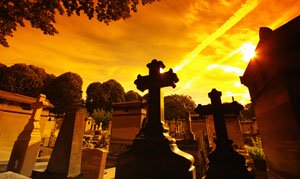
(49, 175)
(224, 162)
(193, 147)
(12, 175)
(155, 159)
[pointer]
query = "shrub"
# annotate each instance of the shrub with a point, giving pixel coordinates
(256, 151)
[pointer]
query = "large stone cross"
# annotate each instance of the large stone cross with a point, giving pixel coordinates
(217, 109)
(154, 82)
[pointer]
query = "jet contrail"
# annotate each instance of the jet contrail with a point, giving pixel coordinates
(247, 7)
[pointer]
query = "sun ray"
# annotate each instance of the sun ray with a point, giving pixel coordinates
(246, 8)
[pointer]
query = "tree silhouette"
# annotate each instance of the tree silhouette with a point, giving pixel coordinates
(21, 79)
(102, 96)
(132, 96)
(41, 13)
(95, 97)
(176, 106)
(65, 93)
(114, 92)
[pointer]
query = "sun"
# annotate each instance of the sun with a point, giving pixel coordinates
(248, 51)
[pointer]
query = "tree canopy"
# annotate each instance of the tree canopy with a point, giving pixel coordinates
(22, 79)
(114, 92)
(41, 13)
(101, 116)
(176, 106)
(102, 96)
(65, 93)
(95, 97)
(132, 96)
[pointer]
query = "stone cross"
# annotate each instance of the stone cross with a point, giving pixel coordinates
(25, 150)
(154, 154)
(224, 162)
(217, 109)
(154, 82)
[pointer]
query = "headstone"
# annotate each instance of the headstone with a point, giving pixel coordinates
(93, 163)
(154, 154)
(224, 162)
(188, 133)
(65, 160)
(25, 150)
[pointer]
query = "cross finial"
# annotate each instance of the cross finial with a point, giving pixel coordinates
(155, 78)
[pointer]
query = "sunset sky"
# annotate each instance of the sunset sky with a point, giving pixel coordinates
(203, 41)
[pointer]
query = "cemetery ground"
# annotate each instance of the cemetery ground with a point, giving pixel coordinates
(100, 147)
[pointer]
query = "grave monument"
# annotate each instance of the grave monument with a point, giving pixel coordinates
(25, 150)
(273, 80)
(154, 154)
(224, 162)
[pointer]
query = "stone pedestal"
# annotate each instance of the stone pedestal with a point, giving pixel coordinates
(155, 159)
(26, 147)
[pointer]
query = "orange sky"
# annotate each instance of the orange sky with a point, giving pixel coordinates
(199, 39)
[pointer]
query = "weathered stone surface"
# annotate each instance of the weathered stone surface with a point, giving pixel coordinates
(93, 163)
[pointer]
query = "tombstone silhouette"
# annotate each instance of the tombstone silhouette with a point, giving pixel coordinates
(224, 162)
(154, 154)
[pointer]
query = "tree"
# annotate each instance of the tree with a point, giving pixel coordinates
(65, 93)
(95, 97)
(132, 96)
(114, 92)
(102, 116)
(248, 112)
(2, 69)
(41, 13)
(21, 79)
(176, 106)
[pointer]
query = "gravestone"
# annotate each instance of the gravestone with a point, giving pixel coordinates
(224, 162)
(154, 154)
(93, 163)
(188, 133)
(25, 150)
(65, 159)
